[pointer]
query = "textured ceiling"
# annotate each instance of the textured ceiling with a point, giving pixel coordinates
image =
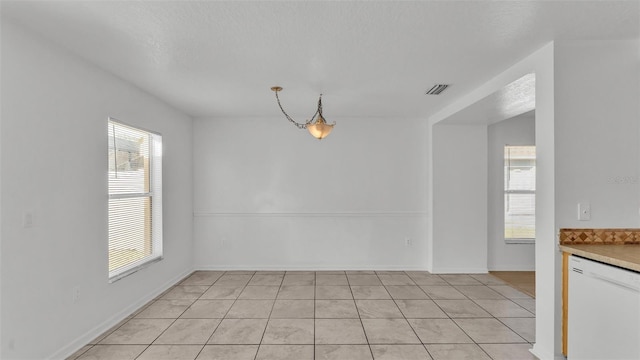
(516, 98)
(367, 58)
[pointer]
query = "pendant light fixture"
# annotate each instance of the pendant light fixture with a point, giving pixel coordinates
(317, 126)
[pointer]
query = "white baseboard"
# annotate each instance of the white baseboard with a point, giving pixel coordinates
(307, 268)
(443, 270)
(537, 353)
(83, 340)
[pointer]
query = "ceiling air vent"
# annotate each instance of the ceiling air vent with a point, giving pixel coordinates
(436, 89)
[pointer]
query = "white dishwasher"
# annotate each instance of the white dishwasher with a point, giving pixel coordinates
(604, 312)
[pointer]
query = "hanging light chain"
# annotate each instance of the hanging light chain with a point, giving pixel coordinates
(297, 124)
(319, 107)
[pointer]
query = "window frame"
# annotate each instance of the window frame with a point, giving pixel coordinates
(506, 192)
(154, 194)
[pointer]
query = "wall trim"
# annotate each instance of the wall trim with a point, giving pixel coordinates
(83, 340)
(311, 214)
(309, 268)
(520, 241)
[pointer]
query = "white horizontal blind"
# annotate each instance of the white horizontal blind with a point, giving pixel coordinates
(519, 192)
(135, 198)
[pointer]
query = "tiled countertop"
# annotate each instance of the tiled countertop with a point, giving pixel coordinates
(625, 256)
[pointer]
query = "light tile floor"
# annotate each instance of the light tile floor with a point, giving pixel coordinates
(326, 315)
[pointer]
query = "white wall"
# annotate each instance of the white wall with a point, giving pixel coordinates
(547, 257)
(597, 91)
(519, 130)
(460, 202)
(54, 160)
(586, 137)
(595, 137)
(268, 195)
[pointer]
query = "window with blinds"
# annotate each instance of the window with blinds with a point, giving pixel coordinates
(520, 192)
(135, 198)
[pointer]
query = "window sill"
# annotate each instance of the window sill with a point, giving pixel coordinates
(134, 269)
(519, 241)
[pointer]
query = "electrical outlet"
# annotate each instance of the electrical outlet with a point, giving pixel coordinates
(408, 241)
(76, 294)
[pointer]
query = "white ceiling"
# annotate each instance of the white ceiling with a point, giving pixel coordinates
(368, 58)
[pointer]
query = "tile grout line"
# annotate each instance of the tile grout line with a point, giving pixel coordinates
(176, 319)
(230, 307)
(458, 325)
(436, 304)
(359, 316)
(424, 346)
(492, 317)
(223, 316)
(496, 317)
(268, 316)
(517, 333)
(199, 298)
(77, 356)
